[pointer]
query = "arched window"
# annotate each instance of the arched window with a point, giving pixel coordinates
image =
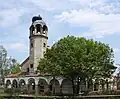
(32, 28)
(8, 84)
(44, 45)
(31, 84)
(38, 27)
(45, 28)
(22, 83)
(14, 84)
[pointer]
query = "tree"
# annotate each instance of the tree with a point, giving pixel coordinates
(74, 58)
(6, 63)
(3, 55)
(15, 69)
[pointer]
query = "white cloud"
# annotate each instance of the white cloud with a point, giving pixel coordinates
(116, 50)
(10, 17)
(104, 6)
(48, 5)
(99, 24)
(17, 47)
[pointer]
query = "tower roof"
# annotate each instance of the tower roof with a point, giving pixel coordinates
(36, 18)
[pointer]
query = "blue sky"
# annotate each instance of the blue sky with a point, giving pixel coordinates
(97, 19)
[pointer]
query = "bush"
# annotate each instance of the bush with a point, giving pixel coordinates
(1, 97)
(43, 98)
(24, 91)
(95, 93)
(106, 92)
(10, 91)
(17, 97)
(17, 90)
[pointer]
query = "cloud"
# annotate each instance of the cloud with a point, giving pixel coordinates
(116, 50)
(104, 6)
(53, 5)
(20, 47)
(10, 17)
(99, 24)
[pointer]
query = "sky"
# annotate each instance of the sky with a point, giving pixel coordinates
(92, 19)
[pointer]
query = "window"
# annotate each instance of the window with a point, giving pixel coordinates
(44, 45)
(50, 86)
(43, 32)
(27, 69)
(45, 29)
(31, 44)
(31, 65)
(38, 26)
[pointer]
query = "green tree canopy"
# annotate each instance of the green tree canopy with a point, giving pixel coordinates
(78, 55)
(74, 56)
(15, 69)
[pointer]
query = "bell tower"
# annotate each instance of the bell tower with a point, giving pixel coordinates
(38, 42)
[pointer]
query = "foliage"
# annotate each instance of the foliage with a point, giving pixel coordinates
(75, 57)
(2, 97)
(105, 92)
(3, 55)
(6, 63)
(43, 97)
(15, 69)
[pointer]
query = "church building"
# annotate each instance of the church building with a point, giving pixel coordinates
(28, 80)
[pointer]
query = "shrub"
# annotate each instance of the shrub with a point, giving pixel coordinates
(106, 92)
(7, 90)
(1, 97)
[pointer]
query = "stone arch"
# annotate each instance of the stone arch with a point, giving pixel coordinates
(45, 28)
(31, 85)
(14, 84)
(42, 86)
(66, 86)
(38, 28)
(8, 84)
(22, 83)
(54, 86)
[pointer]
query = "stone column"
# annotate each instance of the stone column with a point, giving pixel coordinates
(61, 90)
(93, 86)
(28, 88)
(36, 90)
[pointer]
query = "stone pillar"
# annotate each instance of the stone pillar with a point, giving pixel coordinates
(86, 85)
(61, 90)
(99, 86)
(28, 88)
(93, 86)
(36, 90)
